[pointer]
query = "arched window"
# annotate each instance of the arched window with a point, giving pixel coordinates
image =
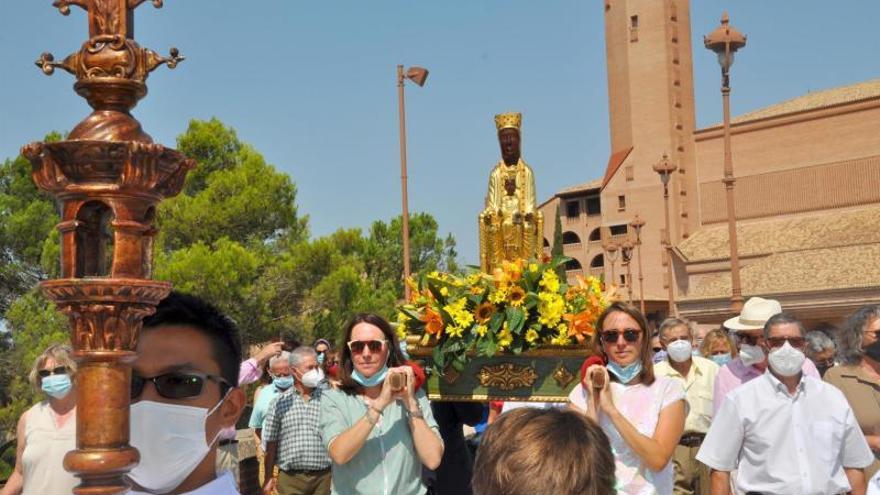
(572, 264)
(598, 261)
(94, 240)
(570, 237)
(596, 235)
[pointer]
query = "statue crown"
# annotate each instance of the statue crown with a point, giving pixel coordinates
(509, 120)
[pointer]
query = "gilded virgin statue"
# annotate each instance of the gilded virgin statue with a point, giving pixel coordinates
(510, 225)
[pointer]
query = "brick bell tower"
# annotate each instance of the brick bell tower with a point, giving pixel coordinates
(651, 112)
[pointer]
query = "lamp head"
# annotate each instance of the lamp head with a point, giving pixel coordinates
(725, 40)
(417, 74)
(665, 168)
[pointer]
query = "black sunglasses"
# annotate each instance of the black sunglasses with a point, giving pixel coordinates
(176, 385)
(58, 370)
(630, 335)
(357, 346)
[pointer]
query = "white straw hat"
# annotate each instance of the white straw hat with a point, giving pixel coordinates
(756, 311)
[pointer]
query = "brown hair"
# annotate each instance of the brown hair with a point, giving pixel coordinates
(528, 451)
(346, 366)
(714, 336)
(646, 376)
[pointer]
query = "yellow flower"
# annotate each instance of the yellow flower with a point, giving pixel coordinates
(454, 331)
(531, 336)
(550, 308)
(473, 278)
(516, 296)
(458, 311)
(498, 295)
(505, 338)
(444, 291)
(481, 330)
(561, 337)
(549, 281)
(533, 267)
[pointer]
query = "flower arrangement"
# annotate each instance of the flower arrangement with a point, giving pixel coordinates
(520, 306)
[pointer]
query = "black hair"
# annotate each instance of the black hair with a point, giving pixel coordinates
(185, 309)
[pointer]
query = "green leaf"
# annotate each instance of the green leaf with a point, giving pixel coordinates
(515, 319)
(496, 322)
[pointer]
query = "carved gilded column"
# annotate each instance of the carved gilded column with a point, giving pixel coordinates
(108, 177)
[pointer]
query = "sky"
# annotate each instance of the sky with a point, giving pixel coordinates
(312, 86)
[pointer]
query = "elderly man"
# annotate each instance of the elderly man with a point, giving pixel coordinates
(820, 350)
(788, 433)
(293, 439)
(752, 360)
(698, 376)
(279, 371)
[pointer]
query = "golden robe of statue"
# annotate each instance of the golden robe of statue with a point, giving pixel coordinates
(510, 226)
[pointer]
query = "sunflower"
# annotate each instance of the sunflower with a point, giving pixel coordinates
(484, 312)
(516, 296)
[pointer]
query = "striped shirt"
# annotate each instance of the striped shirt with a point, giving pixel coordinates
(293, 423)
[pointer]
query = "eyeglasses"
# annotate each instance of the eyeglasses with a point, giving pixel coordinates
(357, 346)
(58, 370)
(630, 335)
(777, 342)
(175, 385)
(748, 339)
(675, 339)
(655, 349)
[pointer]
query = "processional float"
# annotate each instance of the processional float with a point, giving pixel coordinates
(108, 178)
(517, 328)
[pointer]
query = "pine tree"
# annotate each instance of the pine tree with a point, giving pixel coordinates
(556, 250)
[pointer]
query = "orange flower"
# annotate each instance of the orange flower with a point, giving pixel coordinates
(484, 312)
(513, 269)
(580, 325)
(433, 321)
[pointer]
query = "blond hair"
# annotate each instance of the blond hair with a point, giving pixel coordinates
(714, 336)
(520, 455)
(60, 353)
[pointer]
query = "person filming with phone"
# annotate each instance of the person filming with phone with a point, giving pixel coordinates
(377, 428)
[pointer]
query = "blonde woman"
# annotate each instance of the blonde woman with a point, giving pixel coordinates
(47, 431)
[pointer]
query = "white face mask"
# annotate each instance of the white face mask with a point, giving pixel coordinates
(313, 378)
(786, 361)
(171, 441)
(679, 351)
(751, 354)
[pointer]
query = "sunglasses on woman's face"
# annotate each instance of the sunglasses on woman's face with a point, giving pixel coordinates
(175, 385)
(630, 335)
(357, 346)
(58, 370)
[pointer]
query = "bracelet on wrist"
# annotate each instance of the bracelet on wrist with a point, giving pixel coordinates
(415, 413)
(373, 422)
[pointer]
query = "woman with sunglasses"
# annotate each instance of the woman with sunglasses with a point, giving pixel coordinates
(378, 436)
(642, 414)
(46, 431)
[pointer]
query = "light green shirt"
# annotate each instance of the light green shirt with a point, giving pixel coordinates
(387, 464)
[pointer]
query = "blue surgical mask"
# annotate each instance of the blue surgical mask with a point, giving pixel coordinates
(404, 351)
(696, 352)
(659, 356)
(721, 359)
(283, 382)
(56, 385)
(320, 358)
(371, 381)
(625, 373)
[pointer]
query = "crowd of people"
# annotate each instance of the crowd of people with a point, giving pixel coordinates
(758, 406)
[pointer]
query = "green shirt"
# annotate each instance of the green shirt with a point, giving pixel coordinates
(387, 464)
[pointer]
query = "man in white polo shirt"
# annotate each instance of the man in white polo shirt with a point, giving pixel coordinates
(789, 434)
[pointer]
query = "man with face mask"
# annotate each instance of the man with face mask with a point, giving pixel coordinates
(293, 439)
(279, 371)
(184, 391)
(788, 433)
(698, 376)
(752, 360)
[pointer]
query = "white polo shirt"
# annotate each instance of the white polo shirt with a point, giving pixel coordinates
(786, 444)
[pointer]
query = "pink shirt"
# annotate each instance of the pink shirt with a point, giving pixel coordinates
(735, 373)
(248, 373)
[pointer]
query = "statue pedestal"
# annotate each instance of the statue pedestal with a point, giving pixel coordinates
(545, 374)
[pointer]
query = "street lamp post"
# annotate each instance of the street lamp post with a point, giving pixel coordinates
(637, 223)
(725, 41)
(626, 251)
(611, 249)
(666, 168)
(418, 76)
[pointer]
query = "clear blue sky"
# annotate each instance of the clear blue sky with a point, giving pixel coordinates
(312, 86)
